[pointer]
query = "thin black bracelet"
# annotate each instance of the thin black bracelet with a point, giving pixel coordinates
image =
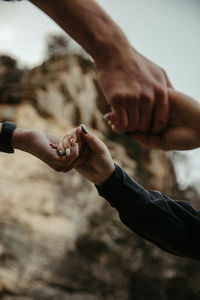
(6, 136)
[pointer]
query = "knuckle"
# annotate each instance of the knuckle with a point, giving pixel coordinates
(147, 100)
(117, 99)
(161, 94)
(122, 96)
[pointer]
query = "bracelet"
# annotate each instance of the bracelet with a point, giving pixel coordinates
(6, 136)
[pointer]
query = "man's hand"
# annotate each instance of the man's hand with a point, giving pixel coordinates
(183, 129)
(136, 89)
(39, 145)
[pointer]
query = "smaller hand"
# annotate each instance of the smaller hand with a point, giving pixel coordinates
(40, 145)
(94, 161)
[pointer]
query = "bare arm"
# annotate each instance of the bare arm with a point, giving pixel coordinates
(88, 24)
(135, 87)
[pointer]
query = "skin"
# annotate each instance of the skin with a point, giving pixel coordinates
(135, 87)
(93, 159)
(38, 144)
(90, 156)
(183, 129)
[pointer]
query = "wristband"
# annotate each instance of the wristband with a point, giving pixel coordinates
(6, 137)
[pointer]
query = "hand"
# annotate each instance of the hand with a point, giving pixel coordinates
(183, 129)
(94, 161)
(39, 145)
(136, 89)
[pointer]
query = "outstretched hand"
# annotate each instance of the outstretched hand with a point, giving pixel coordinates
(40, 145)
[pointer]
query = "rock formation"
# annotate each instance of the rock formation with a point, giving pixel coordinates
(58, 238)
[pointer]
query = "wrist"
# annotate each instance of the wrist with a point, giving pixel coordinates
(21, 139)
(101, 180)
(114, 48)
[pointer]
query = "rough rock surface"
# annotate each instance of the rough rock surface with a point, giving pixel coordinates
(58, 238)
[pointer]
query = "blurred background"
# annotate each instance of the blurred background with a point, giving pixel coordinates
(58, 239)
(167, 32)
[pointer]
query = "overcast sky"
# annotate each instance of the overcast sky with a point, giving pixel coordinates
(166, 31)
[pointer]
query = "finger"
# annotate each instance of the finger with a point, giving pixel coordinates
(146, 109)
(53, 146)
(121, 117)
(60, 149)
(82, 158)
(80, 140)
(133, 112)
(69, 138)
(66, 145)
(69, 160)
(169, 84)
(67, 152)
(74, 153)
(161, 112)
(109, 117)
(95, 144)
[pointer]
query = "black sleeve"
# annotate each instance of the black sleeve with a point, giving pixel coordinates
(172, 225)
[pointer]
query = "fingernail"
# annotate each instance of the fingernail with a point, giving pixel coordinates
(76, 146)
(60, 153)
(105, 117)
(84, 129)
(113, 127)
(67, 151)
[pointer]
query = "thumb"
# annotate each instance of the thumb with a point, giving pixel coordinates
(94, 143)
(109, 117)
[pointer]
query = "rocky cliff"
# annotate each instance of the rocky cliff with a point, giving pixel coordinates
(58, 238)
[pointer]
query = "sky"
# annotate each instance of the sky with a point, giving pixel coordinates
(167, 32)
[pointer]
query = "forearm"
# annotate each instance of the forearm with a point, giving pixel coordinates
(20, 138)
(89, 25)
(185, 110)
(171, 225)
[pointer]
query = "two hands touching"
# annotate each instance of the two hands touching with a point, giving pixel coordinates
(182, 131)
(90, 156)
(137, 90)
(134, 87)
(92, 159)
(87, 154)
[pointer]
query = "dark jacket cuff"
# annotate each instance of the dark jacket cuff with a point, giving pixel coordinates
(121, 191)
